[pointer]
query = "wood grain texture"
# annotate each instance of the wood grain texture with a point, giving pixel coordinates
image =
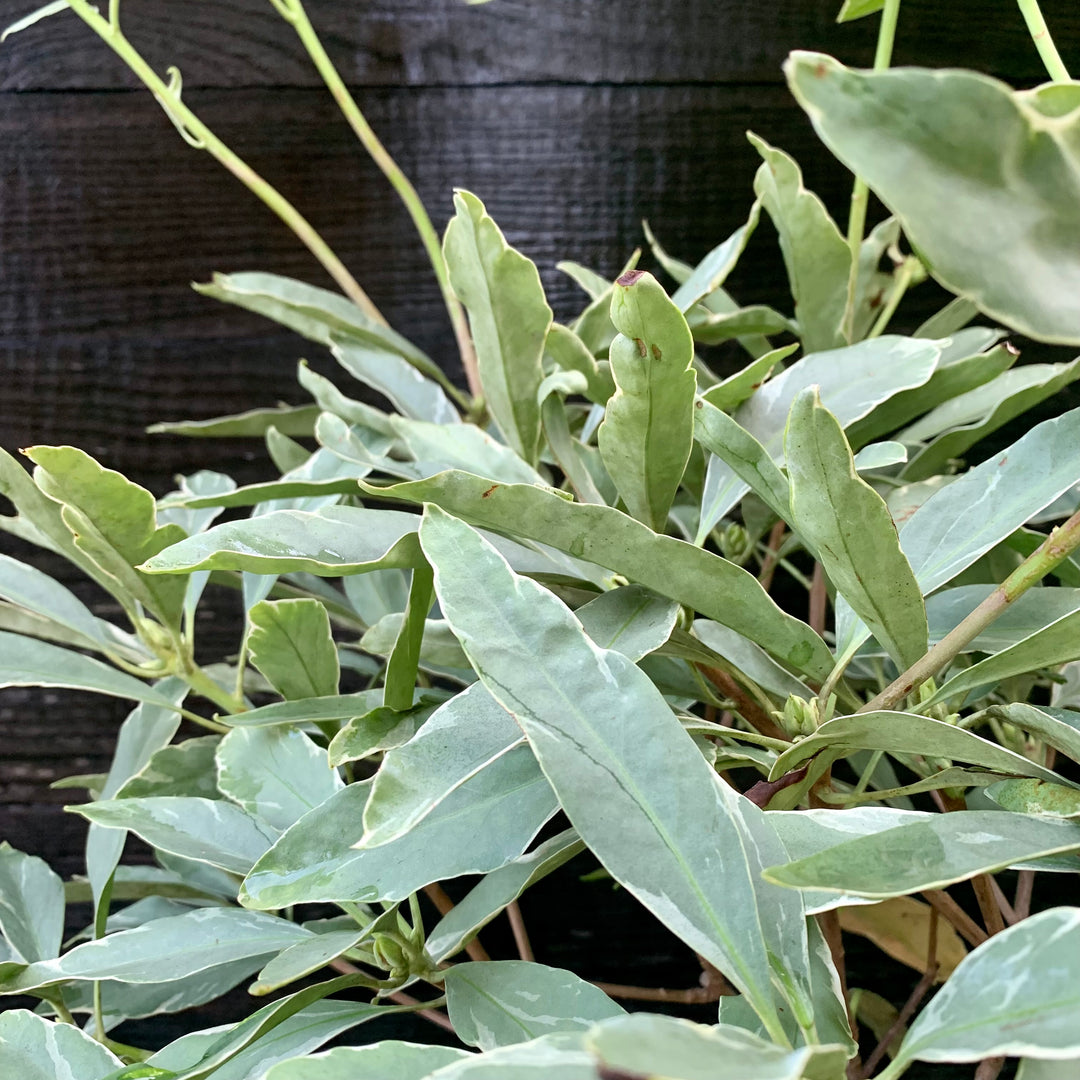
(235, 43)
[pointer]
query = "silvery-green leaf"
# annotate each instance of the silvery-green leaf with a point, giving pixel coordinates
(31, 905)
(584, 710)
(275, 774)
(334, 541)
(296, 420)
(749, 658)
(929, 854)
(564, 349)
(880, 455)
(397, 379)
(378, 593)
(710, 329)
(631, 619)
(961, 422)
(180, 945)
(318, 314)
(817, 257)
(204, 483)
(502, 1002)
(33, 1048)
(1052, 645)
(980, 176)
(1049, 1069)
(385, 1060)
(712, 271)
(1060, 728)
(907, 733)
(848, 525)
(495, 891)
(337, 707)
(207, 830)
(439, 644)
(857, 9)
(27, 662)
(551, 1057)
(304, 957)
(186, 768)
(329, 399)
(1014, 995)
(851, 381)
(508, 315)
(485, 823)
(604, 536)
(652, 1045)
(962, 368)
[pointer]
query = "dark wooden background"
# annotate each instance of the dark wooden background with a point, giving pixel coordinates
(572, 119)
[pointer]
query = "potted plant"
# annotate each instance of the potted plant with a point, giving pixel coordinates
(487, 631)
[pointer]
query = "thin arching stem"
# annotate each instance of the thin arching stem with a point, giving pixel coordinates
(1040, 35)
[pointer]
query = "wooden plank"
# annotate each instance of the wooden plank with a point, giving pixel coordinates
(432, 42)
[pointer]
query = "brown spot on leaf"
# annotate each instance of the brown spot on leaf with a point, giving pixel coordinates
(820, 70)
(657, 355)
(490, 490)
(631, 277)
(643, 352)
(606, 1072)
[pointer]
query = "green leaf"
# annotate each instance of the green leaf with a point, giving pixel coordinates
(33, 1048)
(330, 399)
(291, 644)
(1055, 644)
(114, 521)
(970, 1018)
(397, 379)
(748, 658)
(399, 680)
(497, 890)
(28, 662)
(187, 768)
(438, 648)
(26, 21)
(298, 420)
(647, 432)
(509, 317)
(31, 905)
(338, 707)
(929, 854)
(275, 774)
(607, 537)
(317, 314)
(180, 945)
(207, 830)
(848, 525)
(948, 153)
(499, 1003)
(385, 1060)
(852, 383)
(630, 780)
(288, 1027)
(880, 455)
(630, 619)
(963, 368)
(1060, 728)
(744, 455)
(564, 349)
(732, 392)
(970, 417)
(487, 821)
(551, 1057)
(710, 329)
(380, 729)
(377, 594)
(1037, 797)
(712, 271)
(907, 733)
(331, 542)
(817, 257)
(857, 9)
(1049, 1069)
(647, 1044)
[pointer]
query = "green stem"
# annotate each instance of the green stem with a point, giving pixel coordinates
(198, 135)
(1054, 550)
(860, 193)
(1040, 35)
(202, 684)
(901, 282)
(293, 12)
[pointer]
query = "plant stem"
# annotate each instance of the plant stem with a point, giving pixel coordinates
(1040, 35)
(1054, 550)
(198, 135)
(901, 282)
(860, 193)
(293, 12)
(988, 905)
(521, 934)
